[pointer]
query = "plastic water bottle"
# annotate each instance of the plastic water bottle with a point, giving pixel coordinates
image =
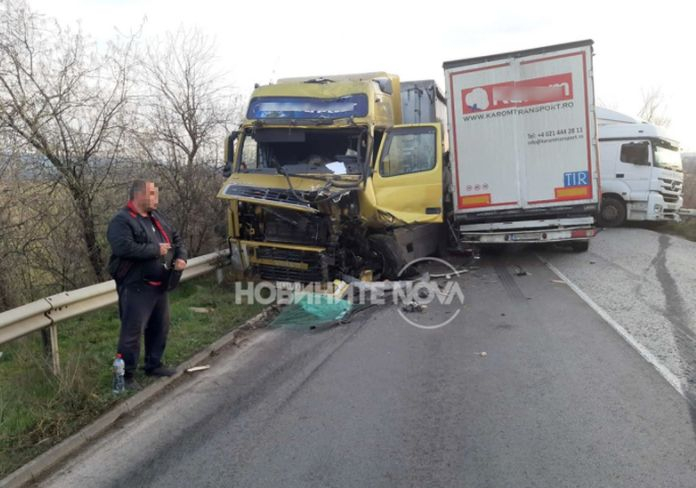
(119, 369)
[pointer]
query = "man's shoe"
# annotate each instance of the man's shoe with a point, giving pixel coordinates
(131, 384)
(160, 371)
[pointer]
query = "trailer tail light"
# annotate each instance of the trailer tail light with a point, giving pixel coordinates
(579, 234)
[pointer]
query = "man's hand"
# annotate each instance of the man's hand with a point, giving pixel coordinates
(164, 248)
(179, 264)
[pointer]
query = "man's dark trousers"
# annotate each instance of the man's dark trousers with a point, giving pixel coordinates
(143, 308)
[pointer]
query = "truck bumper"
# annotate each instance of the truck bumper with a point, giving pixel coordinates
(660, 210)
(536, 231)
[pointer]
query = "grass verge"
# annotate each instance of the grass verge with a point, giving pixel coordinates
(685, 229)
(38, 410)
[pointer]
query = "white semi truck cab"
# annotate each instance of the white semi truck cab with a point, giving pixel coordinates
(641, 170)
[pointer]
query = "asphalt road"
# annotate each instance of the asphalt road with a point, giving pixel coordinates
(646, 281)
(560, 399)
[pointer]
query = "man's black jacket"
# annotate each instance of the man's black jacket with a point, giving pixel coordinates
(135, 256)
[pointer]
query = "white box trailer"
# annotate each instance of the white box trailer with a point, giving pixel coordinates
(523, 146)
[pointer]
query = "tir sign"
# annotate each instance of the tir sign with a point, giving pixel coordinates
(576, 178)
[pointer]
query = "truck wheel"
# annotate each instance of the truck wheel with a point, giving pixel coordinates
(612, 212)
(386, 249)
(580, 246)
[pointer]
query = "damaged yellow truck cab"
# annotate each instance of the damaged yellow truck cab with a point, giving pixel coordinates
(324, 179)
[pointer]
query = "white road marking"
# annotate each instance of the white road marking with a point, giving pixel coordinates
(642, 350)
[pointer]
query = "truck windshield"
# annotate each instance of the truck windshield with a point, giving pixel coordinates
(297, 151)
(667, 156)
(307, 108)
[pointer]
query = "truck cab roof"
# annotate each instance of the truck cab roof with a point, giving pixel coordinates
(619, 126)
(379, 90)
(607, 116)
(641, 130)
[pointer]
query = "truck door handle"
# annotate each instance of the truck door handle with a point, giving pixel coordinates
(619, 175)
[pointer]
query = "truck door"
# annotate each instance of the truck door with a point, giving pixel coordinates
(407, 177)
(633, 168)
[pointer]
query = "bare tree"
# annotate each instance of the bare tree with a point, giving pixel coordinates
(654, 107)
(187, 110)
(67, 100)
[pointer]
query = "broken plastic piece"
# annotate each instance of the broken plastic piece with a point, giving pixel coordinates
(198, 368)
(200, 309)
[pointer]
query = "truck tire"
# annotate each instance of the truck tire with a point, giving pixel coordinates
(612, 212)
(386, 250)
(580, 246)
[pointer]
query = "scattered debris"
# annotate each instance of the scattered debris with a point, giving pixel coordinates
(366, 275)
(449, 275)
(592, 262)
(414, 307)
(519, 271)
(502, 315)
(195, 369)
(560, 282)
(483, 354)
(309, 310)
(200, 309)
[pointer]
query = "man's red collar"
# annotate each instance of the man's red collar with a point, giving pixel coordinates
(131, 208)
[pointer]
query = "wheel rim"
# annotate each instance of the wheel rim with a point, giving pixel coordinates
(610, 212)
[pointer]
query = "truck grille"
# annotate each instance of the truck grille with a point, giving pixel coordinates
(670, 190)
(291, 226)
(282, 273)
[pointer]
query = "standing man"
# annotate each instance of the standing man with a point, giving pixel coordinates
(144, 250)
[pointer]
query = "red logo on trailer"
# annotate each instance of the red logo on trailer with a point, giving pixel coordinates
(534, 91)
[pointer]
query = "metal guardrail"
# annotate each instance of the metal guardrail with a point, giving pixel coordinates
(47, 312)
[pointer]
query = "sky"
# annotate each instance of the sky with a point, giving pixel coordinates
(638, 46)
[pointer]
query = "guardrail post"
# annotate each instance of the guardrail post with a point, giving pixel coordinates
(50, 340)
(219, 276)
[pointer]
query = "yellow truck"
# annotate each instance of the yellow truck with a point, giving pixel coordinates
(325, 180)
(333, 176)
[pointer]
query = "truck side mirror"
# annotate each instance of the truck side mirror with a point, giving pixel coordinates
(229, 154)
